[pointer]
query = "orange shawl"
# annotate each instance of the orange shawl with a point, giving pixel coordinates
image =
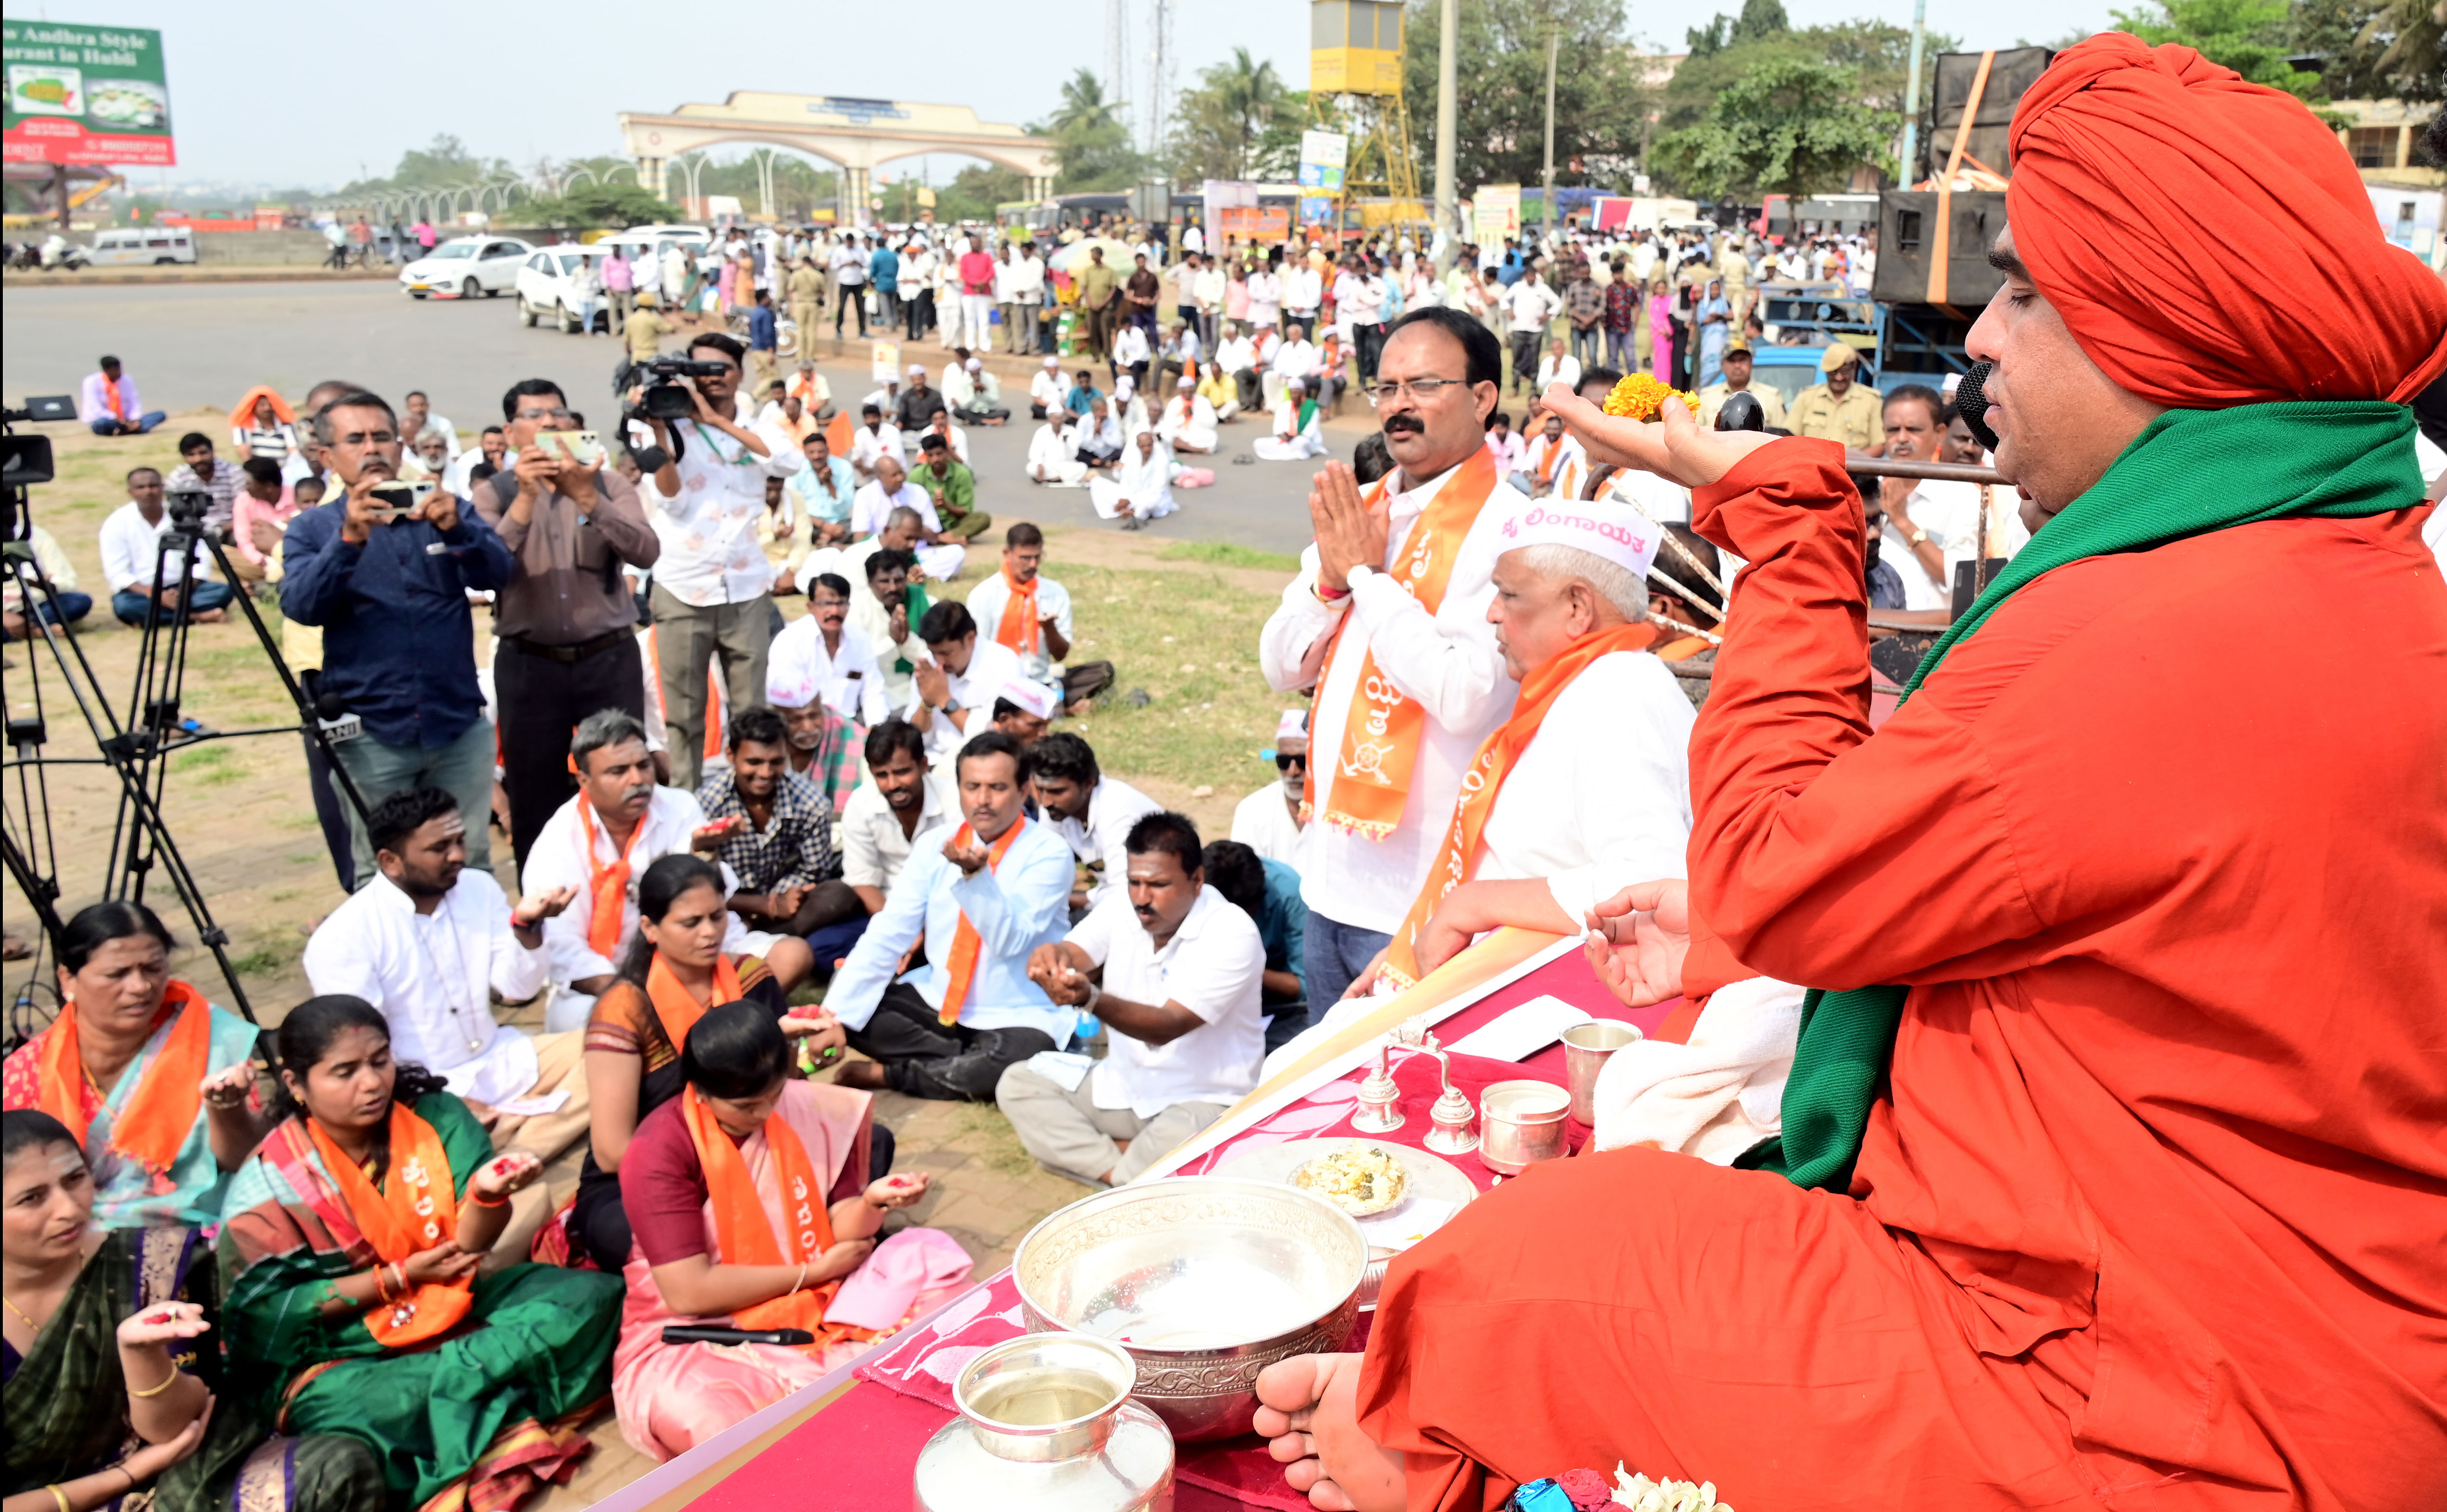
(1479, 785)
(607, 886)
(1380, 734)
(743, 1231)
(1018, 627)
(161, 1111)
(413, 1209)
(962, 967)
(242, 413)
(676, 1009)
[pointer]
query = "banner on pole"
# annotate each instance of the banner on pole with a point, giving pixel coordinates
(84, 95)
(1321, 160)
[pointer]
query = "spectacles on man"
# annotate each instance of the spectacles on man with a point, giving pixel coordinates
(525, 413)
(1421, 390)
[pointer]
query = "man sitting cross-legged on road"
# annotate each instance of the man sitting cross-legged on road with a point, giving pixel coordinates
(1174, 972)
(983, 899)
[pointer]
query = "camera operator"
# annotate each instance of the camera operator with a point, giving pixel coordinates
(713, 586)
(567, 622)
(390, 590)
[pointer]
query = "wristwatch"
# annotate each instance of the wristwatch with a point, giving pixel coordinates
(1095, 995)
(1916, 536)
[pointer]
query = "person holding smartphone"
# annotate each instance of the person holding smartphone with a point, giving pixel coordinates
(384, 570)
(566, 618)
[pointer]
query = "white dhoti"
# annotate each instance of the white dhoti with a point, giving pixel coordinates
(943, 563)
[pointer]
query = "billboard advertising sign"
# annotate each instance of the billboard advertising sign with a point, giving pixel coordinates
(1322, 157)
(84, 95)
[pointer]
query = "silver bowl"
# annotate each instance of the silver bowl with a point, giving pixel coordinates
(1206, 1280)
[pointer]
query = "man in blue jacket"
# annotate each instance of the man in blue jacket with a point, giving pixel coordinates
(884, 271)
(390, 591)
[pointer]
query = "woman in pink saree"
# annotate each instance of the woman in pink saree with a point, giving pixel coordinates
(750, 1200)
(1661, 330)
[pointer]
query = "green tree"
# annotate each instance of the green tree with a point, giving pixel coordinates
(2253, 37)
(1602, 104)
(2374, 49)
(1231, 122)
(1091, 144)
(1794, 128)
(595, 206)
(975, 190)
(1759, 20)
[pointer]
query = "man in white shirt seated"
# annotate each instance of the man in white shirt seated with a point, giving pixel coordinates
(1295, 359)
(1021, 608)
(821, 656)
(888, 816)
(601, 842)
(1091, 812)
(1053, 453)
(875, 439)
(1187, 423)
(1268, 821)
(1097, 436)
(1237, 356)
(131, 546)
(1553, 464)
(1586, 787)
(1129, 410)
(1175, 973)
(429, 942)
(952, 699)
(1140, 486)
(1047, 390)
(1299, 426)
(1557, 366)
(893, 504)
(983, 901)
(880, 604)
(971, 391)
(1130, 354)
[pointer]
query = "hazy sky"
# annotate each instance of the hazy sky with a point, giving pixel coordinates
(317, 93)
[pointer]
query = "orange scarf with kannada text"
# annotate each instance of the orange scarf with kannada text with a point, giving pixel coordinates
(607, 885)
(743, 1231)
(676, 1009)
(1018, 627)
(413, 1209)
(1485, 776)
(1383, 730)
(161, 1109)
(966, 944)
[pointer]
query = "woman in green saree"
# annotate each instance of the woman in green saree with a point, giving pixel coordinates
(348, 1260)
(109, 1359)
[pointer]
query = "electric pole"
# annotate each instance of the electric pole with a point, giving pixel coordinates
(1447, 102)
(1547, 205)
(1912, 97)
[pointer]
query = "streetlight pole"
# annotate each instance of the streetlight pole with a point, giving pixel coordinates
(1447, 102)
(1911, 95)
(1546, 206)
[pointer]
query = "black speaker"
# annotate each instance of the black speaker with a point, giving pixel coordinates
(1907, 242)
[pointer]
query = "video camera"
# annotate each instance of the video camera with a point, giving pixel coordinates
(666, 397)
(187, 506)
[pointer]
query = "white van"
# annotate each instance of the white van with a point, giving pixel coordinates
(142, 245)
(640, 241)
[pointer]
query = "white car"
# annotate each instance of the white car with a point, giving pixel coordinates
(465, 267)
(544, 288)
(155, 244)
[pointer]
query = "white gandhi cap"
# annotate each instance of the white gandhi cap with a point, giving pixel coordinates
(1615, 532)
(1034, 696)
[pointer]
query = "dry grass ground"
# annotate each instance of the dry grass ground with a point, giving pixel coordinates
(1180, 623)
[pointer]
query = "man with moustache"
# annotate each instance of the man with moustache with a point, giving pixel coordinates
(1174, 973)
(1387, 621)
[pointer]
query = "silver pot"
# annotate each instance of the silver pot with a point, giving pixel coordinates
(1521, 1123)
(1046, 1424)
(1205, 1281)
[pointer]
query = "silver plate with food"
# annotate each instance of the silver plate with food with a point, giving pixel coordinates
(1422, 1175)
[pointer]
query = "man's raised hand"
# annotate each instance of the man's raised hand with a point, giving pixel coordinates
(1674, 447)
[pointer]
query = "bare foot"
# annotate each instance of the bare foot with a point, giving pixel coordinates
(1308, 1406)
(867, 1076)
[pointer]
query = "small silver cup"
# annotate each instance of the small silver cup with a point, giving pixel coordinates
(1587, 1049)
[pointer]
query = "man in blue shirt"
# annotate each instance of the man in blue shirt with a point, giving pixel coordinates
(983, 899)
(390, 595)
(764, 344)
(1269, 893)
(884, 271)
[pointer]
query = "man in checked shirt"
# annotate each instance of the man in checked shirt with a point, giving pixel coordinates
(789, 875)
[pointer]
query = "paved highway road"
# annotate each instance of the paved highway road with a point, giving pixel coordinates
(191, 346)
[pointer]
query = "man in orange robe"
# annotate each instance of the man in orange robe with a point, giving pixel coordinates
(2145, 1205)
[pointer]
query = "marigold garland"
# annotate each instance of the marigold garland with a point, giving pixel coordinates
(1639, 397)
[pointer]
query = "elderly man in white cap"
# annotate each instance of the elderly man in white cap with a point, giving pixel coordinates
(1140, 487)
(1299, 427)
(1129, 408)
(1187, 423)
(1586, 787)
(1268, 821)
(1049, 391)
(973, 393)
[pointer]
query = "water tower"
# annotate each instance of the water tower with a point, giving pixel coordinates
(1354, 86)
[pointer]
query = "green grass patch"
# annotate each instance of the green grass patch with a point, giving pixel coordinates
(207, 767)
(1222, 553)
(266, 960)
(1190, 641)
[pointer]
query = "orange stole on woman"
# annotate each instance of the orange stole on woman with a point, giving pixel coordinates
(412, 1210)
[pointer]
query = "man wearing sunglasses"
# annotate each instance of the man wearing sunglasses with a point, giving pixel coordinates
(1387, 622)
(1268, 821)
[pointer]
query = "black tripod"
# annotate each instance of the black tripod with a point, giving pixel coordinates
(136, 748)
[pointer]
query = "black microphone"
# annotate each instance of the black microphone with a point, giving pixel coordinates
(1972, 403)
(679, 1333)
(1741, 411)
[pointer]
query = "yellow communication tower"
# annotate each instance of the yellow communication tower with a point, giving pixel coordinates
(1354, 86)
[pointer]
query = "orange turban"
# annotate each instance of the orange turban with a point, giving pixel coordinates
(2207, 240)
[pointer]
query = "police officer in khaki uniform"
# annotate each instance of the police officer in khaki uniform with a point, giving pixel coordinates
(1842, 408)
(1738, 381)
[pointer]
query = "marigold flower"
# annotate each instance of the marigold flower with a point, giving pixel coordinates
(1640, 397)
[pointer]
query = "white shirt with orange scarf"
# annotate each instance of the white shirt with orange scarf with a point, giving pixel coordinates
(987, 600)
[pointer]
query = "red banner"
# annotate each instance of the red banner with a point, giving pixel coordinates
(57, 138)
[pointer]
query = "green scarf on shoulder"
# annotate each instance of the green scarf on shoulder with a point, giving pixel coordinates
(2190, 472)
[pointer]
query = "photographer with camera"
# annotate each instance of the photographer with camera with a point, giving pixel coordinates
(704, 491)
(385, 568)
(567, 622)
